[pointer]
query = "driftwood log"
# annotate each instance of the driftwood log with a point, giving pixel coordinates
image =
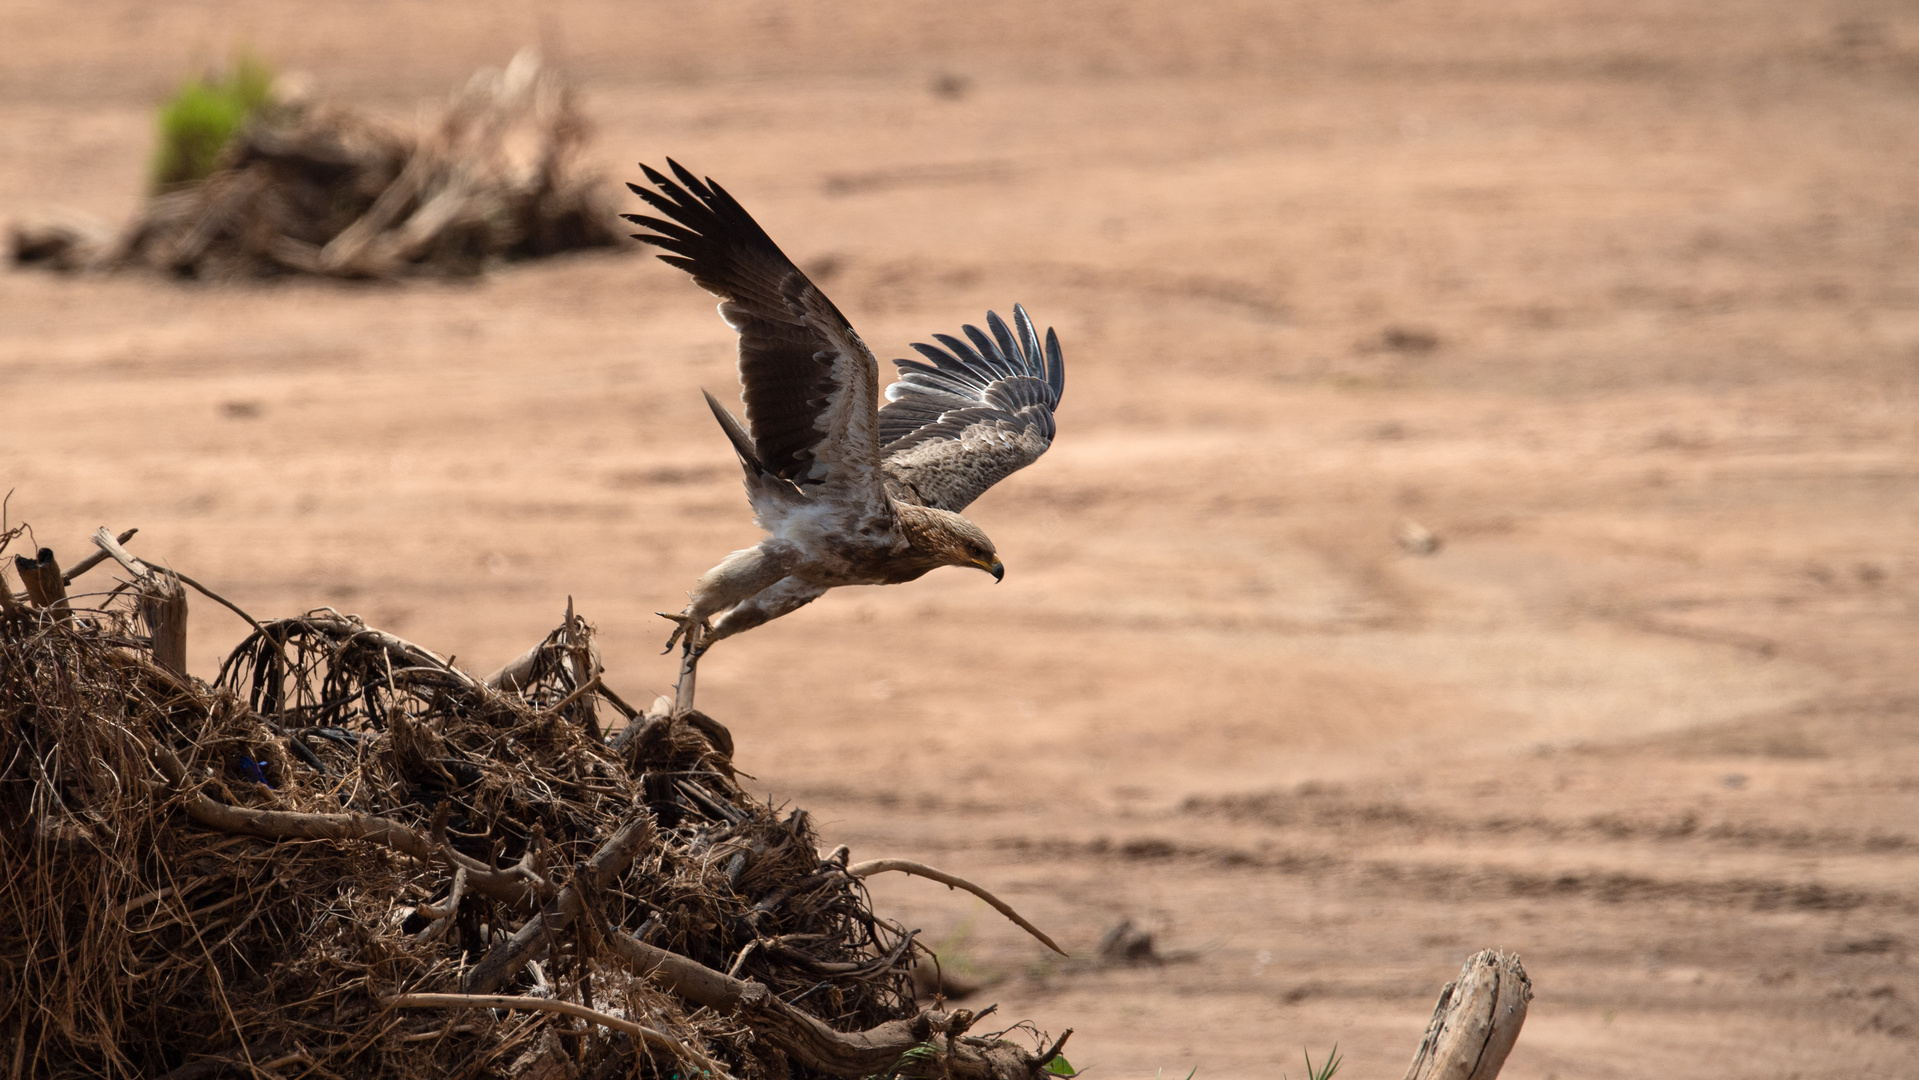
(1476, 1021)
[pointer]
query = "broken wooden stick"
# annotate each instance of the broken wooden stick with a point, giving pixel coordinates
(110, 547)
(689, 667)
(443, 914)
(1476, 1021)
(951, 881)
(163, 603)
(163, 607)
(94, 559)
(41, 576)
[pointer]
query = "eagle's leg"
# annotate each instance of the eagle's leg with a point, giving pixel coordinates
(789, 594)
(737, 578)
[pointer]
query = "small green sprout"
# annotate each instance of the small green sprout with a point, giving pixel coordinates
(1326, 1070)
(203, 115)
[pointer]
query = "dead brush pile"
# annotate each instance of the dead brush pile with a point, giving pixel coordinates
(345, 857)
(319, 188)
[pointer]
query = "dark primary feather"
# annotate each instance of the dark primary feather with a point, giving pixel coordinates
(971, 413)
(786, 357)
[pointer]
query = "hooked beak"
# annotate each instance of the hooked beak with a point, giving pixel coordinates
(995, 568)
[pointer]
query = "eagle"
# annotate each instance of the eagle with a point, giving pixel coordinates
(849, 492)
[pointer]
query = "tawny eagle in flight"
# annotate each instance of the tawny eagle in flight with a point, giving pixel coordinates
(851, 493)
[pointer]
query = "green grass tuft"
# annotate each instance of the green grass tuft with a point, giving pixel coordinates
(197, 122)
(1325, 1071)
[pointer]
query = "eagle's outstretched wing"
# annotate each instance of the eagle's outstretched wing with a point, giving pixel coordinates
(809, 382)
(975, 414)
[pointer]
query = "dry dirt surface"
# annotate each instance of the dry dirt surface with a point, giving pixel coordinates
(1620, 301)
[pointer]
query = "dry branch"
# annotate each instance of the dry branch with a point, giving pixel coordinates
(1476, 1021)
(564, 1008)
(804, 1038)
(951, 881)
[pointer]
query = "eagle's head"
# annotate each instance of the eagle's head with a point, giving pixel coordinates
(949, 539)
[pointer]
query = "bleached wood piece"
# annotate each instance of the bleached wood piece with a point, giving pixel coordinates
(1476, 1021)
(94, 559)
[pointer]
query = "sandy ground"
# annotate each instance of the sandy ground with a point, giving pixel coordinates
(1619, 300)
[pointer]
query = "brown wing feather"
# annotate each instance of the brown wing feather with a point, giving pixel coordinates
(810, 385)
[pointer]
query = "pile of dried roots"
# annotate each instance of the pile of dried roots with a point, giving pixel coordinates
(345, 857)
(315, 188)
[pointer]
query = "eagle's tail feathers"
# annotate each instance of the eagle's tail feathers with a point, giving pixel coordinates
(736, 434)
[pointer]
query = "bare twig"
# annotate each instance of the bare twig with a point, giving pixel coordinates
(1053, 1051)
(740, 960)
(216, 598)
(525, 669)
(591, 685)
(554, 1005)
(109, 546)
(626, 710)
(951, 881)
(443, 916)
(584, 657)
